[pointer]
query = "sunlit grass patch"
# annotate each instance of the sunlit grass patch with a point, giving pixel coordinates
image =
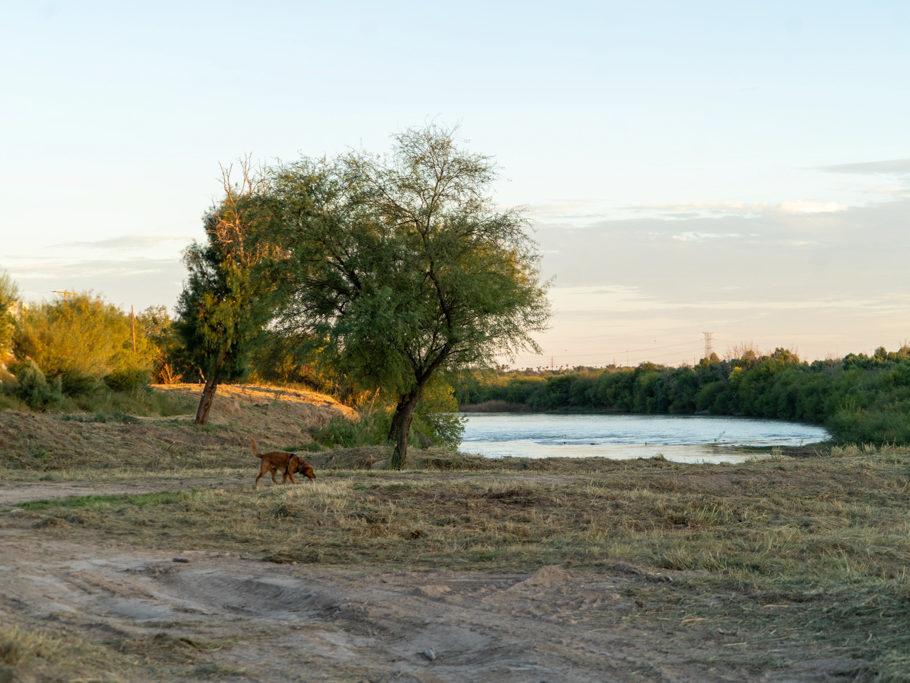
(28, 653)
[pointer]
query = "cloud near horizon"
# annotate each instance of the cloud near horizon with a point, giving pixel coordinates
(828, 282)
(127, 242)
(890, 166)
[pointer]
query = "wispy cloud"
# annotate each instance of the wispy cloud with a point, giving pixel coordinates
(733, 209)
(704, 236)
(801, 206)
(891, 166)
(128, 242)
(123, 281)
(688, 210)
(623, 298)
(55, 269)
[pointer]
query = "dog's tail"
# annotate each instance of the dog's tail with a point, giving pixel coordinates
(255, 450)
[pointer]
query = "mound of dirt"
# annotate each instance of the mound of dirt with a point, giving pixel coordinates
(275, 417)
(271, 408)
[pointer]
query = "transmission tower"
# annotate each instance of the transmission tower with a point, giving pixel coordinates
(709, 338)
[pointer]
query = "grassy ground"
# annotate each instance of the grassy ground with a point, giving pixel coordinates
(812, 549)
(787, 553)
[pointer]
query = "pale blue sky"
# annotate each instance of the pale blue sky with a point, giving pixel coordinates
(687, 167)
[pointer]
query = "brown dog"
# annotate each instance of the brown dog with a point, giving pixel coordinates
(288, 463)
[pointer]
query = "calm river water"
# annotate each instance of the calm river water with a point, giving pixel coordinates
(676, 438)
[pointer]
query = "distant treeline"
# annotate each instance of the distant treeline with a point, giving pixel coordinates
(859, 399)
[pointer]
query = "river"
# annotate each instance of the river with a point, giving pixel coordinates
(691, 439)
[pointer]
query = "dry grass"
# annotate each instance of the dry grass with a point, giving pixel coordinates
(49, 656)
(798, 552)
(815, 548)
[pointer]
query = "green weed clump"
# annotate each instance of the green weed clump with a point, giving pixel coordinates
(370, 429)
(32, 388)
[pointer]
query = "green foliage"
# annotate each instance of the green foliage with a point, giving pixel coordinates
(436, 423)
(436, 419)
(404, 268)
(286, 358)
(33, 389)
(9, 295)
(861, 399)
(370, 429)
(230, 291)
(127, 379)
(82, 341)
(170, 362)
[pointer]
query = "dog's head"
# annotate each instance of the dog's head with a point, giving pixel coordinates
(301, 466)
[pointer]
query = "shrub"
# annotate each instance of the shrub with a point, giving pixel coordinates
(127, 379)
(345, 433)
(33, 389)
(81, 340)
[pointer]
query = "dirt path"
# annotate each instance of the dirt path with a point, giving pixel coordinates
(254, 621)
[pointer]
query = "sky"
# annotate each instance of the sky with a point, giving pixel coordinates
(734, 168)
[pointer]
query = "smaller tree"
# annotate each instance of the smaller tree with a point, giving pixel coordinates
(155, 324)
(229, 294)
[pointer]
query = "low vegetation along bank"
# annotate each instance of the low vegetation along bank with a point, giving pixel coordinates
(859, 399)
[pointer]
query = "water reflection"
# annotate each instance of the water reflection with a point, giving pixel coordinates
(689, 439)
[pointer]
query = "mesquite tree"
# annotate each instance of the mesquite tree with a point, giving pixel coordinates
(404, 267)
(230, 292)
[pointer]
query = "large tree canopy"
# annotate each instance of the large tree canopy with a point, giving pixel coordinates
(404, 267)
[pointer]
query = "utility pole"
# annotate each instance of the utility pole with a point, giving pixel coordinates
(133, 325)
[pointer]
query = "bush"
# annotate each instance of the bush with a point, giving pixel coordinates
(33, 389)
(127, 379)
(370, 429)
(82, 340)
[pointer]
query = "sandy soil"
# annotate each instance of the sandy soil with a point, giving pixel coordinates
(280, 622)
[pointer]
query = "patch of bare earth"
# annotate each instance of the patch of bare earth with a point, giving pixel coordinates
(256, 621)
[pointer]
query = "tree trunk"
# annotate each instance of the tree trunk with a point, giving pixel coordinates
(205, 402)
(208, 391)
(401, 425)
